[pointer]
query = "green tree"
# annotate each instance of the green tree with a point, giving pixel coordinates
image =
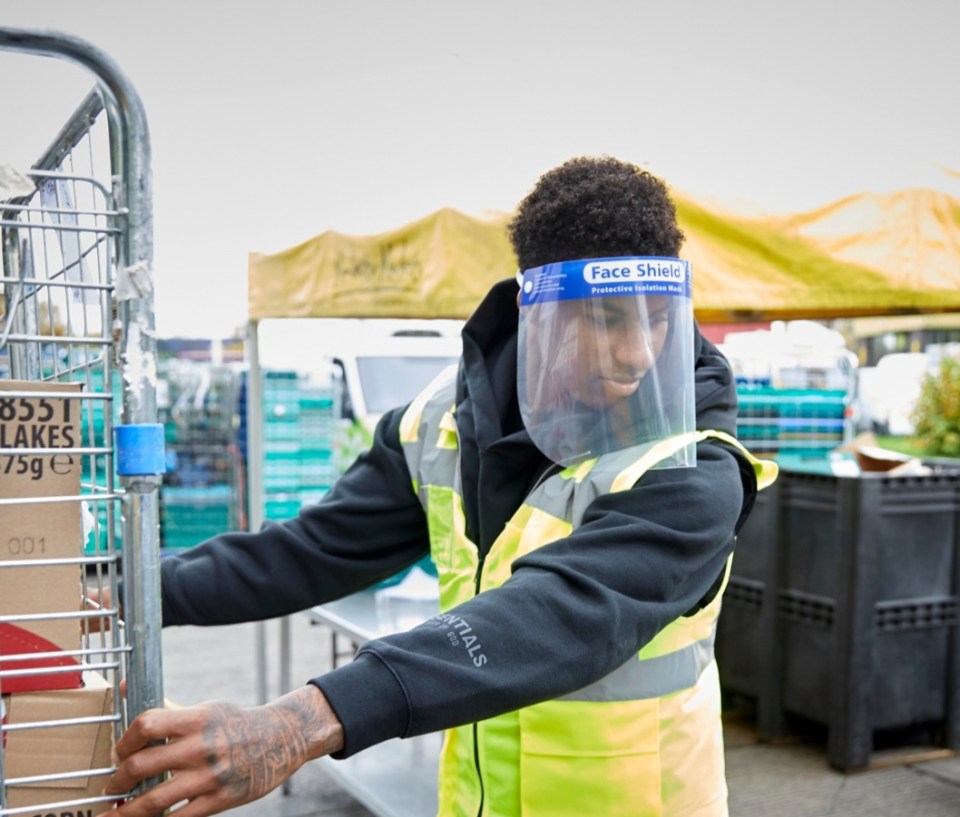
(937, 413)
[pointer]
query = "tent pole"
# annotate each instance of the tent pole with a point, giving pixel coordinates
(255, 480)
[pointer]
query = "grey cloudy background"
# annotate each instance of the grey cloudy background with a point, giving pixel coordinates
(273, 121)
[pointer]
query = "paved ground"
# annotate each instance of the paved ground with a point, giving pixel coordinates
(787, 780)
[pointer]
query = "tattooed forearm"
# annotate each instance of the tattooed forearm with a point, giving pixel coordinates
(307, 713)
(251, 752)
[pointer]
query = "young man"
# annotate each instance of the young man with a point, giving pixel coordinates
(577, 486)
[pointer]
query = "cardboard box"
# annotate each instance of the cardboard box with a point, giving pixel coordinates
(60, 749)
(37, 531)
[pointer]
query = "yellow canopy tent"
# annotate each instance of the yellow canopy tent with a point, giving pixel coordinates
(865, 255)
(438, 267)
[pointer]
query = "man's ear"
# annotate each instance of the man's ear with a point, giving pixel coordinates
(518, 299)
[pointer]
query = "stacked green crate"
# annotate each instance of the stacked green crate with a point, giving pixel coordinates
(191, 514)
(300, 426)
(199, 495)
(787, 421)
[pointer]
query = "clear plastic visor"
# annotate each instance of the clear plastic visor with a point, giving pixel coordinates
(605, 357)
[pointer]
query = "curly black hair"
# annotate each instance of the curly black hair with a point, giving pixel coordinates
(594, 208)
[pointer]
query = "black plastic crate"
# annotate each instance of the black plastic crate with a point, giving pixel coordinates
(745, 630)
(843, 606)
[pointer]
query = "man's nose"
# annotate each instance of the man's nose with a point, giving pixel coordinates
(633, 349)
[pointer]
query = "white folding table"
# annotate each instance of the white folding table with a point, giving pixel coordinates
(397, 778)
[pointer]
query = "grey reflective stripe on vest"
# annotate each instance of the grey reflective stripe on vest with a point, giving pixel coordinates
(572, 498)
(569, 499)
(651, 677)
(425, 459)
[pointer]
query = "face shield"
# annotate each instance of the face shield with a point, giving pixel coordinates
(605, 356)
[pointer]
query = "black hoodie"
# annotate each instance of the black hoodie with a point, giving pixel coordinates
(572, 611)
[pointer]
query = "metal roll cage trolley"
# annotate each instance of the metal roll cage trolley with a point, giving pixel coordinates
(77, 337)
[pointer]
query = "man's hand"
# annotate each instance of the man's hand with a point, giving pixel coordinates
(219, 756)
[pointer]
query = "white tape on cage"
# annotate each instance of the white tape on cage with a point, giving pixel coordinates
(139, 366)
(135, 281)
(14, 184)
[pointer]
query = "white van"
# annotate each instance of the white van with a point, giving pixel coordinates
(375, 363)
(388, 362)
(888, 392)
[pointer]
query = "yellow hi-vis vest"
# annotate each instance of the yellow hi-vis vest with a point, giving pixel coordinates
(644, 741)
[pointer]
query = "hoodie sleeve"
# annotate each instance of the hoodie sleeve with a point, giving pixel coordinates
(367, 527)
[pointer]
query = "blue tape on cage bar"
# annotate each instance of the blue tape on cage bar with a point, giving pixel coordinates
(140, 450)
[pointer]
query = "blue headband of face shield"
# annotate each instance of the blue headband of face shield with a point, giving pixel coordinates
(604, 278)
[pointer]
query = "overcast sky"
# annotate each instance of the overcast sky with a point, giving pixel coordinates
(271, 122)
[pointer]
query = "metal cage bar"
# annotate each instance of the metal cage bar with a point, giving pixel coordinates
(78, 341)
